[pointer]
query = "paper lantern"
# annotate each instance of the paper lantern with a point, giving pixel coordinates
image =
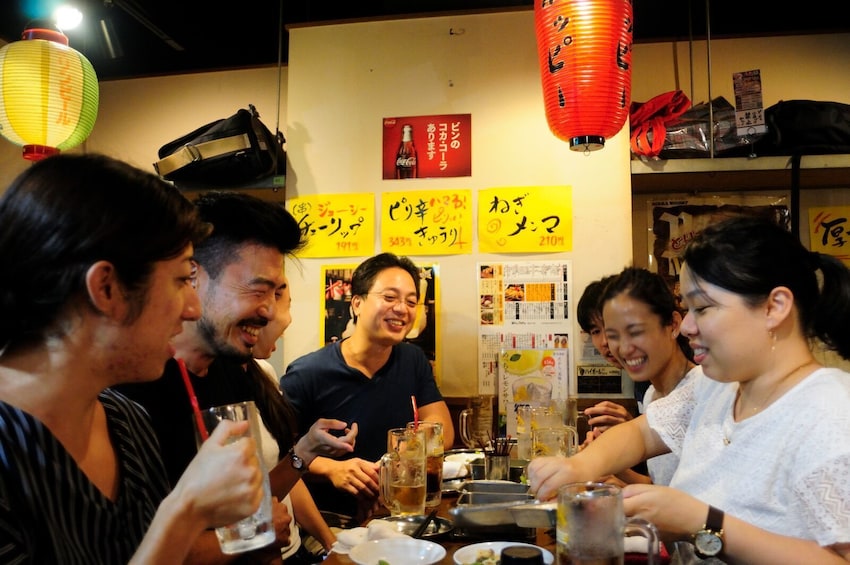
(585, 53)
(48, 94)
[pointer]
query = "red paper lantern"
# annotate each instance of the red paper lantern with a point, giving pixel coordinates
(585, 53)
(48, 93)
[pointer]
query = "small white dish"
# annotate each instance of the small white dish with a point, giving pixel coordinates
(468, 554)
(397, 551)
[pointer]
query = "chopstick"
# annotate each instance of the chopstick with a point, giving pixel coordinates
(419, 531)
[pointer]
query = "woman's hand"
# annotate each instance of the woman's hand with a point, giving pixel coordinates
(223, 483)
(604, 415)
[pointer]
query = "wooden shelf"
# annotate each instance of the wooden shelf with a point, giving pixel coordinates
(738, 173)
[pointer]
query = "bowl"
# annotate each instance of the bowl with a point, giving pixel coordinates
(397, 551)
(468, 554)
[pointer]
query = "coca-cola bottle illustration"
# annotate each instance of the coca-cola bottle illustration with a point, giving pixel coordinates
(405, 161)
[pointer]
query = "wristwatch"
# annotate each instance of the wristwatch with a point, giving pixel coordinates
(296, 462)
(709, 540)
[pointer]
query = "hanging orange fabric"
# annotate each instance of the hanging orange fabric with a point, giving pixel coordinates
(648, 121)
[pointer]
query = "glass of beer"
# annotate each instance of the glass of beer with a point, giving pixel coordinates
(591, 526)
(433, 460)
(403, 472)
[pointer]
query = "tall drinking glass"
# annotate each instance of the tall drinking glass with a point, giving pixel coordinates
(256, 530)
(433, 460)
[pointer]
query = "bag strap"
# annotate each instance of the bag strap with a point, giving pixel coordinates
(191, 153)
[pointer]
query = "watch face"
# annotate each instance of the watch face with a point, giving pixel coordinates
(708, 543)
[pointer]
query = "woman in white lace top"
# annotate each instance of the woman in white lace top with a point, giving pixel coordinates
(763, 430)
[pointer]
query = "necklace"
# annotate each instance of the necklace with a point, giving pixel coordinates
(730, 421)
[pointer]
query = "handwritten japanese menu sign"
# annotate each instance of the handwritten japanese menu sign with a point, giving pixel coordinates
(427, 222)
(829, 231)
(336, 225)
(531, 219)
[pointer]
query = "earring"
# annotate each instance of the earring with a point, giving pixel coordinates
(772, 335)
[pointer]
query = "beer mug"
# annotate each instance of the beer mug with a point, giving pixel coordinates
(402, 475)
(554, 440)
(476, 423)
(433, 460)
(591, 526)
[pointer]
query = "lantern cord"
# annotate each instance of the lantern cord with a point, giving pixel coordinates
(279, 65)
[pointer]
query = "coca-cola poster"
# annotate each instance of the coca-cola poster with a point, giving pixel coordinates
(427, 146)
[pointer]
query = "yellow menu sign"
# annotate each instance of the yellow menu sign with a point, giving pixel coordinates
(336, 225)
(427, 222)
(530, 219)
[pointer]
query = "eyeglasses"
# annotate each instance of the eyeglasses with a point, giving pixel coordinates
(393, 299)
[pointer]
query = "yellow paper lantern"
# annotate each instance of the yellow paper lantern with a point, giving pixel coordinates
(48, 94)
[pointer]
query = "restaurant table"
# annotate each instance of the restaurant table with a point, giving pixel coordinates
(543, 539)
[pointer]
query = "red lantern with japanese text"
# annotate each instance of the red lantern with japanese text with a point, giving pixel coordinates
(585, 53)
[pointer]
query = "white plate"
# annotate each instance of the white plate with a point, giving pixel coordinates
(467, 554)
(397, 551)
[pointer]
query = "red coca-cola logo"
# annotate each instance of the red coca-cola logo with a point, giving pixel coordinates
(390, 122)
(406, 162)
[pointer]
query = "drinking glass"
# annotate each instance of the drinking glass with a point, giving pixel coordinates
(433, 460)
(402, 475)
(256, 530)
(591, 526)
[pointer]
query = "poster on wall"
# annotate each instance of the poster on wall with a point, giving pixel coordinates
(531, 377)
(427, 146)
(674, 222)
(336, 314)
(523, 307)
(335, 225)
(594, 375)
(829, 231)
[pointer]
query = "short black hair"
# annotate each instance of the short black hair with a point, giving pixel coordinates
(240, 219)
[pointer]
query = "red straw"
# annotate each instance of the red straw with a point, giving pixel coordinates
(415, 414)
(202, 429)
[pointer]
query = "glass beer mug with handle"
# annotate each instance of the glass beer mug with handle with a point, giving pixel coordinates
(402, 473)
(476, 423)
(591, 526)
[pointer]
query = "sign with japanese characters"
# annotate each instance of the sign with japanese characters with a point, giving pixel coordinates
(829, 231)
(427, 146)
(427, 222)
(530, 219)
(749, 109)
(674, 222)
(336, 225)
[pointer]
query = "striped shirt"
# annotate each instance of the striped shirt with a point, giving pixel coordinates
(49, 510)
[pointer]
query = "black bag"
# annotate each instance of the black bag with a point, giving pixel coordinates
(805, 127)
(234, 151)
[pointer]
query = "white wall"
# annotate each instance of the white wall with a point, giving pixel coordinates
(343, 79)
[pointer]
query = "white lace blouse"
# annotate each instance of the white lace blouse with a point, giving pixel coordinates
(785, 469)
(662, 467)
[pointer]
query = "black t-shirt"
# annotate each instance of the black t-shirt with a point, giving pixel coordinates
(168, 404)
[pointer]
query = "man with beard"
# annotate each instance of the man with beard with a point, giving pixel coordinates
(242, 286)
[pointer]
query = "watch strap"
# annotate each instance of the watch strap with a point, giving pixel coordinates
(714, 520)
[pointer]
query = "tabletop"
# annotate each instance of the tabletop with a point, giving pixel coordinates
(544, 538)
